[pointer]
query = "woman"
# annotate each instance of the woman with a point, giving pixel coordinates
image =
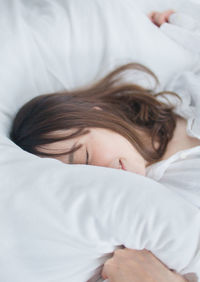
(112, 124)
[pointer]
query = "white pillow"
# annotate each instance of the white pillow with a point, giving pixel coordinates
(58, 220)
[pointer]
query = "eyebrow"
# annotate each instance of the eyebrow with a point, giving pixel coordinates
(87, 156)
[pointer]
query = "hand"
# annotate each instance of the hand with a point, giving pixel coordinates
(159, 18)
(128, 265)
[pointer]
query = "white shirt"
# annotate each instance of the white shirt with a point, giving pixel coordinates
(181, 171)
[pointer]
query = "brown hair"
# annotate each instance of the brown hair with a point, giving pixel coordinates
(128, 109)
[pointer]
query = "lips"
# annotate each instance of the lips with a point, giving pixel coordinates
(122, 165)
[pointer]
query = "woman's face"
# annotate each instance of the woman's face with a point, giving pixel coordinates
(100, 147)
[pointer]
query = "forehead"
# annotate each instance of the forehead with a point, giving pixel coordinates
(101, 135)
(58, 146)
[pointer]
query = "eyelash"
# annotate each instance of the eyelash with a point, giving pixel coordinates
(87, 160)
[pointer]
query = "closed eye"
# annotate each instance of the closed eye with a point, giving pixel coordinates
(87, 157)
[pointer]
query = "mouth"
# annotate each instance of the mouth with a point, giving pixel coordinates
(122, 165)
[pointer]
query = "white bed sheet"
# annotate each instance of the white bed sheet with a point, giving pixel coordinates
(71, 43)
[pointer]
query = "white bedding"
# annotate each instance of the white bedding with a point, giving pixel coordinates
(58, 221)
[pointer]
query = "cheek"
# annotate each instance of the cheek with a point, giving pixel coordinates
(139, 170)
(104, 156)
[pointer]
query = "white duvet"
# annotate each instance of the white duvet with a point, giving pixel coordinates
(59, 221)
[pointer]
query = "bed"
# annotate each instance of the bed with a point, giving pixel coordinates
(61, 222)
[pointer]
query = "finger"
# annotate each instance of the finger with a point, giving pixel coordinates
(109, 272)
(107, 268)
(158, 18)
(155, 18)
(104, 274)
(167, 14)
(161, 18)
(150, 15)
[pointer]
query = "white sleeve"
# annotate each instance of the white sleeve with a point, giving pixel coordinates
(185, 30)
